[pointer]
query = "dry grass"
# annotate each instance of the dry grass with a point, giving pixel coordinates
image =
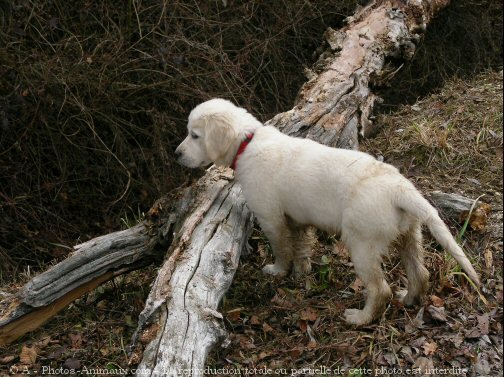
(450, 141)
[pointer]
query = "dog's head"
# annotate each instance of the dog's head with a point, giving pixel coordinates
(215, 130)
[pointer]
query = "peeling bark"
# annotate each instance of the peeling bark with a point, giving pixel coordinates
(182, 305)
(337, 103)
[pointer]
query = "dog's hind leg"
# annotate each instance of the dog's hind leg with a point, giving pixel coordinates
(366, 257)
(278, 234)
(411, 251)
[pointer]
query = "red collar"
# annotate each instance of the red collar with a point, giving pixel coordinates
(241, 149)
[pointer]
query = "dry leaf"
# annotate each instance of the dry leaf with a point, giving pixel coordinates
(429, 348)
(480, 329)
(417, 343)
(76, 340)
(418, 321)
(28, 355)
(105, 351)
(234, 314)
(72, 363)
(264, 354)
(482, 367)
(409, 328)
(415, 323)
(407, 353)
(302, 325)
(341, 251)
(423, 365)
(437, 313)
(389, 359)
(245, 342)
(7, 359)
(41, 344)
(58, 353)
(479, 216)
(309, 314)
(437, 301)
(488, 255)
(280, 299)
(483, 323)
(267, 328)
(254, 320)
(357, 285)
(295, 353)
(457, 339)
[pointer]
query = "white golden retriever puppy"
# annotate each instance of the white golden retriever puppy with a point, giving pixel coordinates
(291, 184)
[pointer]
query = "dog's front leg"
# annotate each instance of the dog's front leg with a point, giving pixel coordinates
(277, 232)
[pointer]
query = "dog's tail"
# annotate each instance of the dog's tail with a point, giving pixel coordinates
(415, 204)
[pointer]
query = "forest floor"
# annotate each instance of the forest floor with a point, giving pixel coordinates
(449, 141)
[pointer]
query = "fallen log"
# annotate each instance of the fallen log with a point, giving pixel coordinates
(180, 322)
(462, 209)
(91, 264)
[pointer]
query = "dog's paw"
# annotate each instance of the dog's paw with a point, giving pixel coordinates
(357, 317)
(301, 267)
(407, 299)
(274, 269)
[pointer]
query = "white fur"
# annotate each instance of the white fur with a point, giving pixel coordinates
(292, 184)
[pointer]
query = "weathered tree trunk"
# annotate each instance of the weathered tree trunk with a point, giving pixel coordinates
(90, 265)
(180, 322)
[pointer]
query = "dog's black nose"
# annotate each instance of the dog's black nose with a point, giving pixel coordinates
(178, 153)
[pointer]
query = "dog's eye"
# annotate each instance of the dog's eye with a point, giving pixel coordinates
(194, 136)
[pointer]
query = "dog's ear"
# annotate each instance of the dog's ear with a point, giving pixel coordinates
(219, 137)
